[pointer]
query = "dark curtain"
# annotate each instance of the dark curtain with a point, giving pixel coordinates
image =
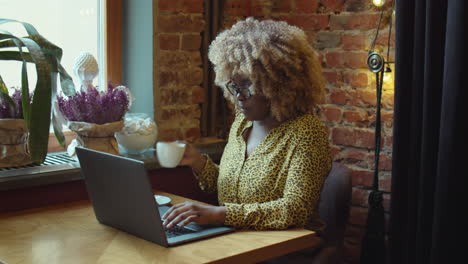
(429, 196)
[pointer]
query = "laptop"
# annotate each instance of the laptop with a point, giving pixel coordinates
(122, 197)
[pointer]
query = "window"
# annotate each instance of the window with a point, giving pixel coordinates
(72, 25)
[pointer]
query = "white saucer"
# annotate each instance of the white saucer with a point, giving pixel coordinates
(162, 200)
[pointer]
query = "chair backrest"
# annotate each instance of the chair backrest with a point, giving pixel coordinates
(334, 204)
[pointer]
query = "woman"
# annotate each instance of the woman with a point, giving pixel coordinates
(277, 156)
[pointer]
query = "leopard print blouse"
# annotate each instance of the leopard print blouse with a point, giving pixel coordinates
(278, 185)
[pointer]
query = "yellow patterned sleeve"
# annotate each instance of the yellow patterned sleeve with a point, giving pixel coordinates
(208, 177)
(308, 168)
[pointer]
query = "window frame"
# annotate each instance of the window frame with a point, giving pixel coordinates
(113, 40)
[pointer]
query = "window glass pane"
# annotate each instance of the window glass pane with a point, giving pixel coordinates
(72, 25)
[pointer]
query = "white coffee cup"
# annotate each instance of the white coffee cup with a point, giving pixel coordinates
(170, 153)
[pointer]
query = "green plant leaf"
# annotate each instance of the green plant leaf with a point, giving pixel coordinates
(58, 130)
(66, 82)
(6, 42)
(55, 123)
(53, 54)
(15, 55)
(29, 28)
(4, 93)
(24, 57)
(25, 104)
(3, 87)
(15, 41)
(40, 115)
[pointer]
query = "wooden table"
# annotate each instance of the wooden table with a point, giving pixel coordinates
(70, 233)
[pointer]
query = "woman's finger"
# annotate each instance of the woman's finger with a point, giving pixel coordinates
(180, 217)
(189, 219)
(174, 213)
(168, 212)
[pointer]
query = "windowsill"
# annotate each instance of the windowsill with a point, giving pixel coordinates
(54, 146)
(47, 175)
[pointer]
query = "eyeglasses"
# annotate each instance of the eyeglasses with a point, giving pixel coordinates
(236, 89)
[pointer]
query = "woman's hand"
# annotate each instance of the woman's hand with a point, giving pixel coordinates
(192, 158)
(187, 212)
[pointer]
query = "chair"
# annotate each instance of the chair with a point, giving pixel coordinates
(334, 209)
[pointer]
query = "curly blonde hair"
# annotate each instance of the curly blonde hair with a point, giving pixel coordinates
(277, 59)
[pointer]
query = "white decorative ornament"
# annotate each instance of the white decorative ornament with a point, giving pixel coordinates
(86, 69)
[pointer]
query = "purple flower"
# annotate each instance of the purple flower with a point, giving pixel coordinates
(96, 107)
(7, 111)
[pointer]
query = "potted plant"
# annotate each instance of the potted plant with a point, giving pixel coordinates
(37, 113)
(13, 132)
(95, 116)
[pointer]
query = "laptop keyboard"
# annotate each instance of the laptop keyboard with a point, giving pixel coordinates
(177, 231)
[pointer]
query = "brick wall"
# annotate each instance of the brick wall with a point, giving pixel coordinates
(178, 68)
(341, 31)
